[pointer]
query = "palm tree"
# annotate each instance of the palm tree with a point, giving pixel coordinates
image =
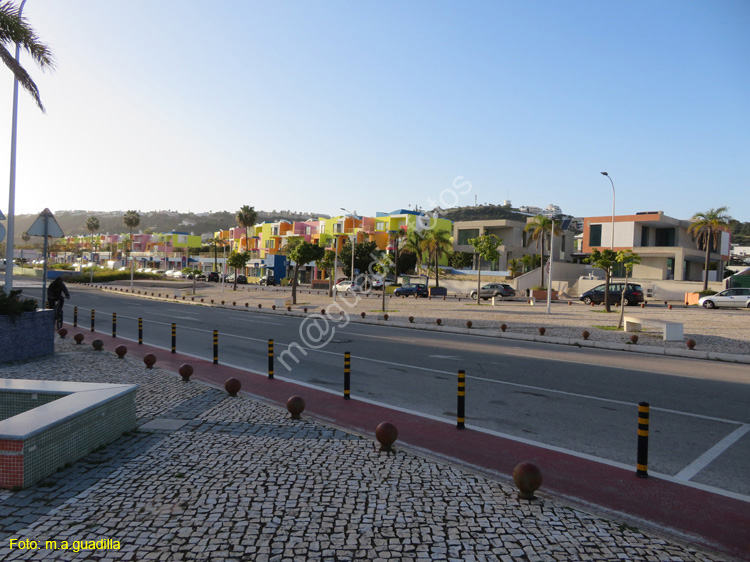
(131, 219)
(15, 30)
(705, 228)
(436, 243)
(216, 242)
(514, 267)
(541, 227)
(397, 238)
(92, 225)
(414, 243)
(246, 217)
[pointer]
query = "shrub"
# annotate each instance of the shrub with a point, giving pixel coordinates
(12, 304)
(707, 293)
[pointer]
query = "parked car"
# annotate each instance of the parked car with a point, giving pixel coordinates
(412, 289)
(633, 294)
(214, 276)
(267, 280)
(346, 286)
(494, 290)
(377, 283)
(241, 279)
(737, 297)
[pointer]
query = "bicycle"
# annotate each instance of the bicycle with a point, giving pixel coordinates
(57, 306)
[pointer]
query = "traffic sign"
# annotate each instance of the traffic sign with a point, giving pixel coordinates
(46, 225)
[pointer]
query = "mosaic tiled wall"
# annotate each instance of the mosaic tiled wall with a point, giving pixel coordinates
(14, 403)
(27, 336)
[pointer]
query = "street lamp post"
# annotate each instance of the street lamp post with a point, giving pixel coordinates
(613, 209)
(12, 186)
(352, 240)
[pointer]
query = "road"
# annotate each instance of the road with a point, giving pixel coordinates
(568, 398)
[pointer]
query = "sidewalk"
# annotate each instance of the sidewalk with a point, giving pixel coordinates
(209, 477)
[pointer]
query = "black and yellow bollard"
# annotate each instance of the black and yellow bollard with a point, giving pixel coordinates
(270, 359)
(461, 408)
(216, 347)
(92, 319)
(114, 324)
(75, 316)
(140, 331)
(174, 338)
(347, 374)
(642, 461)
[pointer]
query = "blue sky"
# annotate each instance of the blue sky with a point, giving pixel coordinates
(313, 106)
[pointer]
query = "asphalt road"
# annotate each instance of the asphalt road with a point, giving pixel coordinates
(580, 400)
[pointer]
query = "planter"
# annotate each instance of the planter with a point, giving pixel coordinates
(27, 336)
(438, 291)
(542, 295)
(692, 298)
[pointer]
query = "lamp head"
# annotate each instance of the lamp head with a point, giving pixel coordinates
(605, 174)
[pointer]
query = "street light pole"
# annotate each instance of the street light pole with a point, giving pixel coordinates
(352, 240)
(613, 209)
(12, 185)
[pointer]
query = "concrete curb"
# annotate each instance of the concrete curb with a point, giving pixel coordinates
(634, 348)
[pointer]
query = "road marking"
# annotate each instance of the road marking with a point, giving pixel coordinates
(709, 456)
(445, 356)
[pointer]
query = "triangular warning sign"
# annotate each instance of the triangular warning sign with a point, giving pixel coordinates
(46, 225)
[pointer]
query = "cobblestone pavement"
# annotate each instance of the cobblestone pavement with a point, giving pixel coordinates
(241, 481)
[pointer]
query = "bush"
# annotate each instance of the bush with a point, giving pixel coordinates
(12, 304)
(707, 293)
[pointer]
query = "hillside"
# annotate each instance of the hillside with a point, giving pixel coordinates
(74, 222)
(482, 212)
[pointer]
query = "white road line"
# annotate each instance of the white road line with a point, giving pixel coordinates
(709, 456)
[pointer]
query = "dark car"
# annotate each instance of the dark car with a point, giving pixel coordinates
(633, 294)
(412, 289)
(214, 276)
(241, 279)
(266, 280)
(491, 290)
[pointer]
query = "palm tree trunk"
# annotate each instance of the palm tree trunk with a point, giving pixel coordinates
(437, 279)
(294, 283)
(542, 264)
(708, 259)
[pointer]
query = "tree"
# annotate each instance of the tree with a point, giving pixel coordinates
(92, 225)
(362, 257)
(237, 260)
(436, 243)
(326, 264)
(131, 219)
(301, 253)
(407, 261)
(460, 260)
(541, 228)
(216, 242)
(414, 244)
(628, 260)
(705, 228)
(605, 260)
(15, 30)
(530, 261)
(486, 248)
(246, 218)
(514, 267)
(399, 238)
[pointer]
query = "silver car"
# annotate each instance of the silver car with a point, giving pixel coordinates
(738, 297)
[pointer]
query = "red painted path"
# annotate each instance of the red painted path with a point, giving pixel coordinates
(707, 519)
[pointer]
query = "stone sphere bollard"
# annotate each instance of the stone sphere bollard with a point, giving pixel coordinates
(232, 386)
(469, 324)
(542, 331)
(149, 359)
(438, 321)
(98, 345)
(78, 338)
(527, 478)
(385, 316)
(363, 314)
(62, 332)
(386, 434)
(185, 370)
(503, 327)
(585, 334)
(411, 320)
(295, 405)
(121, 350)
(691, 344)
(633, 339)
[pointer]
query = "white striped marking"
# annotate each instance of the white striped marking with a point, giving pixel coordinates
(709, 456)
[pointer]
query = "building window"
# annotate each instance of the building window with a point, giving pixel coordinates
(664, 237)
(644, 236)
(595, 235)
(465, 235)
